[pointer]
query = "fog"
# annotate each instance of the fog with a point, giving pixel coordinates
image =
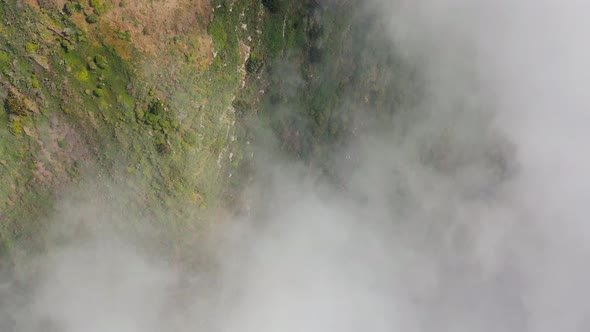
(466, 213)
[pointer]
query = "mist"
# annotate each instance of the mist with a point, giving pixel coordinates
(466, 213)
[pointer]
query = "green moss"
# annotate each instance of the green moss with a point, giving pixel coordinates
(98, 92)
(82, 75)
(16, 126)
(30, 47)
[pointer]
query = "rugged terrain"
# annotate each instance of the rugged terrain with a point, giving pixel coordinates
(157, 105)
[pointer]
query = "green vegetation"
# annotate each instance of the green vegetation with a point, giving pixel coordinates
(15, 104)
(34, 81)
(62, 143)
(222, 30)
(83, 75)
(254, 64)
(31, 47)
(16, 126)
(273, 6)
(71, 7)
(4, 62)
(67, 46)
(92, 18)
(101, 61)
(273, 36)
(98, 92)
(98, 6)
(123, 35)
(162, 121)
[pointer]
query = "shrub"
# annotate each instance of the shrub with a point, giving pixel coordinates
(91, 65)
(98, 6)
(71, 7)
(162, 145)
(67, 46)
(15, 104)
(92, 18)
(161, 121)
(125, 35)
(253, 64)
(241, 107)
(98, 92)
(151, 119)
(62, 143)
(101, 61)
(273, 6)
(156, 107)
(34, 81)
(16, 127)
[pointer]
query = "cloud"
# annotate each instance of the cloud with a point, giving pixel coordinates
(466, 213)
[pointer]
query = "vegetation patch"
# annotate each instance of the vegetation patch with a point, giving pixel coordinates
(71, 7)
(4, 61)
(30, 47)
(15, 104)
(91, 18)
(254, 64)
(162, 121)
(98, 6)
(273, 6)
(100, 61)
(16, 126)
(83, 75)
(178, 121)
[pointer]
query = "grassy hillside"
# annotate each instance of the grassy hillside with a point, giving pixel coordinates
(165, 99)
(82, 100)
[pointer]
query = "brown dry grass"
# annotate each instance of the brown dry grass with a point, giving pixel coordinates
(152, 25)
